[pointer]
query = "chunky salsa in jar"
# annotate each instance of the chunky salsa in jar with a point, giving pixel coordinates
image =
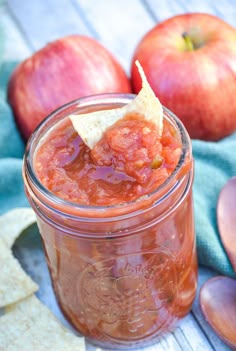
(128, 162)
(117, 224)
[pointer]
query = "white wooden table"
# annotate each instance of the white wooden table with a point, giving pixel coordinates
(119, 25)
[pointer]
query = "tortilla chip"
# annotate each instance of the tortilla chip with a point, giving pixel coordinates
(29, 325)
(15, 284)
(14, 222)
(91, 126)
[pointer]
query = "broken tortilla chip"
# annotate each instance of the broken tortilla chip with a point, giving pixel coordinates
(14, 222)
(29, 325)
(91, 126)
(15, 284)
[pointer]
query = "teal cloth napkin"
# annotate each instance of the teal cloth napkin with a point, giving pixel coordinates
(11, 151)
(215, 164)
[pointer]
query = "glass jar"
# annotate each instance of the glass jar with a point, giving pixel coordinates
(125, 274)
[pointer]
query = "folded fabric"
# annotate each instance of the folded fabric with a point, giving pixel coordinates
(2, 40)
(11, 144)
(215, 164)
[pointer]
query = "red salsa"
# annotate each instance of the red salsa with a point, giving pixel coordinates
(128, 162)
(121, 280)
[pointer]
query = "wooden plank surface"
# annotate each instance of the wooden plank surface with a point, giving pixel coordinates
(44, 21)
(118, 25)
(225, 9)
(16, 48)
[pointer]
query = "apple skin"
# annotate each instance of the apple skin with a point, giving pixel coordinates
(62, 71)
(199, 86)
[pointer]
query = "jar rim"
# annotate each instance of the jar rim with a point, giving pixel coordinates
(72, 207)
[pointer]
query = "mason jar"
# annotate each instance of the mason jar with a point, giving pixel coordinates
(123, 274)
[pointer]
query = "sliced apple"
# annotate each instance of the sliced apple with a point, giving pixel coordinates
(91, 126)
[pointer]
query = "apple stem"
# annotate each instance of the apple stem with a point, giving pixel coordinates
(188, 41)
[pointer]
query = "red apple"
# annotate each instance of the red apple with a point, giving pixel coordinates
(64, 70)
(190, 62)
